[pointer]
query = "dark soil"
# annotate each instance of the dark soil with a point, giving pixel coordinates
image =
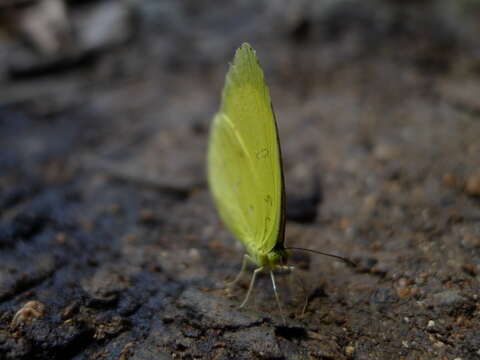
(110, 247)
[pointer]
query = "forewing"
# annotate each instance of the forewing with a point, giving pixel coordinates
(244, 157)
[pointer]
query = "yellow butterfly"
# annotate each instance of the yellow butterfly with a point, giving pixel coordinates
(245, 171)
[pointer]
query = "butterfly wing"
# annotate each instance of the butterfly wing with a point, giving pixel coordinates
(244, 160)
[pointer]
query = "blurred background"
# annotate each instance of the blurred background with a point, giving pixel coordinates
(109, 243)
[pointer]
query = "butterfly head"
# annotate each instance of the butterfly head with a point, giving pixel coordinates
(275, 258)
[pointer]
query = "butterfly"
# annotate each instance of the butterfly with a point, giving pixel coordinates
(245, 171)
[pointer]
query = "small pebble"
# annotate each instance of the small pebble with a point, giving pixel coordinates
(30, 312)
(472, 185)
(403, 292)
(344, 223)
(61, 238)
(403, 287)
(376, 245)
(385, 152)
(147, 216)
(370, 203)
(194, 253)
(471, 240)
(449, 180)
(349, 350)
(421, 278)
(469, 269)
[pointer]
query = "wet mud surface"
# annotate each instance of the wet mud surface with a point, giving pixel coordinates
(110, 247)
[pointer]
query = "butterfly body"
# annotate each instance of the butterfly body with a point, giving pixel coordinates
(244, 162)
(245, 171)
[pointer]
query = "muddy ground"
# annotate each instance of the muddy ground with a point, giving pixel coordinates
(110, 247)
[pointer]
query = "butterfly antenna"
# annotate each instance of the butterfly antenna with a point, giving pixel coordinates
(345, 260)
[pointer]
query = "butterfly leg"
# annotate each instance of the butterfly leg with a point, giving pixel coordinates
(246, 258)
(252, 282)
(277, 297)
